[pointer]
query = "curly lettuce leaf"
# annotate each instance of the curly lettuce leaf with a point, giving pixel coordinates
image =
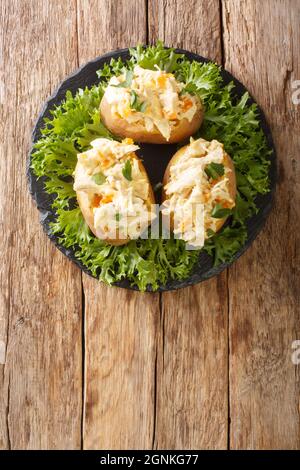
(226, 243)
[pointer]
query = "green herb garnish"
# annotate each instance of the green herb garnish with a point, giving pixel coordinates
(219, 212)
(214, 170)
(99, 178)
(157, 187)
(127, 170)
(210, 232)
(118, 216)
(127, 82)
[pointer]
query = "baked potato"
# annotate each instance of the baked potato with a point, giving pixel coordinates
(150, 106)
(199, 191)
(113, 191)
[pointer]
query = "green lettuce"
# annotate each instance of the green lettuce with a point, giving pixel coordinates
(76, 122)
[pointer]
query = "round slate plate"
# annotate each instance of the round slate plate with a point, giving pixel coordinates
(156, 158)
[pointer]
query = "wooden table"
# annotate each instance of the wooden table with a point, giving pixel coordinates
(87, 366)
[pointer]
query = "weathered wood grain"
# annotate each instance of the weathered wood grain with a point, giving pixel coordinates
(40, 306)
(191, 408)
(120, 326)
(262, 49)
(119, 364)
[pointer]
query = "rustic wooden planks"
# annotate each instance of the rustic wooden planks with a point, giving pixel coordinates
(40, 306)
(120, 326)
(262, 48)
(191, 409)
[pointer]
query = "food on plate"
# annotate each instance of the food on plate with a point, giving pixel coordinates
(150, 106)
(69, 125)
(199, 190)
(113, 191)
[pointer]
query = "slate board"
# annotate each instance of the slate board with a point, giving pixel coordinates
(156, 158)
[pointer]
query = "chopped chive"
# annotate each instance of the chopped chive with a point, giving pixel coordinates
(127, 170)
(135, 102)
(99, 178)
(219, 212)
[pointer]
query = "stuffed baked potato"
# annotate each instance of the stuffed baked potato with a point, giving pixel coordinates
(199, 190)
(113, 191)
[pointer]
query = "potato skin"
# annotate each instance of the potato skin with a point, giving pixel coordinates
(231, 181)
(87, 210)
(138, 132)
